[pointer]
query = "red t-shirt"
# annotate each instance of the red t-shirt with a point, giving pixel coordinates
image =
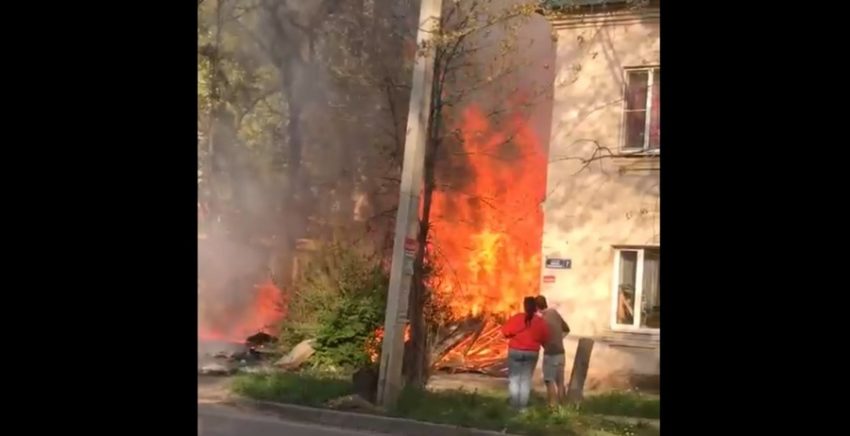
(525, 337)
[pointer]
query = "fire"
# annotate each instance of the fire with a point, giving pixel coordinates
(374, 346)
(486, 235)
(264, 310)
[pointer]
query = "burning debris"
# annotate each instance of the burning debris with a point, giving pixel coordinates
(238, 339)
(487, 235)
(260, 340)
(483, 351)
(217, 357)
(261, 344)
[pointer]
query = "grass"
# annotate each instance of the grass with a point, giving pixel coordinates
(486, 410)
(308, 389)
(626, 403)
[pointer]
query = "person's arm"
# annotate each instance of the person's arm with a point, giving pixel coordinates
(564, 326)
(513, 326)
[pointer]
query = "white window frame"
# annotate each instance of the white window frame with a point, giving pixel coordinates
(650, 83)
(615, 287)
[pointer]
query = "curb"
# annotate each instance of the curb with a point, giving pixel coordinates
(360, 421)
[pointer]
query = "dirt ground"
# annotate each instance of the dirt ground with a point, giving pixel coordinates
(212, 389)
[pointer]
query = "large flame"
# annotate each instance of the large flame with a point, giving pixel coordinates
(265, 308)
(486, 233)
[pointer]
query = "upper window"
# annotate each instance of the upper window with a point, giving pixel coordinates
(643, 110)
(637, 301)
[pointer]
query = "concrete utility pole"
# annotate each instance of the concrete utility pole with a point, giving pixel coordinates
(407, 219)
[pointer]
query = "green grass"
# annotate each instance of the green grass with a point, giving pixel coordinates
(486, 410)
(481, 410)
(623, 404)
(307, 389)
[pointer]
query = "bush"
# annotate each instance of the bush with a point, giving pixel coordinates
(340, 301)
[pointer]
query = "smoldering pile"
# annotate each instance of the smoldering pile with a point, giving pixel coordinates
(218, 357)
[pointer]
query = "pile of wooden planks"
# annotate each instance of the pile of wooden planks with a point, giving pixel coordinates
(476, 345)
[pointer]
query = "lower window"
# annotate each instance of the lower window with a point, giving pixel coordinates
(637, 300)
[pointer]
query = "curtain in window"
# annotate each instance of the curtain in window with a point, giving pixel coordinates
(651, 304)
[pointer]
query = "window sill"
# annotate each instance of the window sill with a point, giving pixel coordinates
(639, 153)
(622, 336)
(636, 330)
(639, 161)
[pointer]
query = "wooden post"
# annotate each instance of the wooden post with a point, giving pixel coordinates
(581, 363)
(407, 217)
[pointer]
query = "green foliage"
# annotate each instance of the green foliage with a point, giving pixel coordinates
(340, 301)
(298, 388)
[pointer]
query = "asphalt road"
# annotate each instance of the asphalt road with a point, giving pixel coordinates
(217, 420)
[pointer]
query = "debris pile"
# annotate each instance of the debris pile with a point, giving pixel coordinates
(217, 357)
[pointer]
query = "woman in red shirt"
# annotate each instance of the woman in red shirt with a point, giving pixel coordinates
(526, 333)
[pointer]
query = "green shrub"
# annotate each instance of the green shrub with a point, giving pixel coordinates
(340, 301)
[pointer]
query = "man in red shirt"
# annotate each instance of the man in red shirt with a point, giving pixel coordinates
(526, 333)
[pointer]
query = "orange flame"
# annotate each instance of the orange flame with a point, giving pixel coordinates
(374, 346)
(486, 235)
(265, 310)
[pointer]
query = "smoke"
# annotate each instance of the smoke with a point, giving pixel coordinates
(300, 131)
(502, 71)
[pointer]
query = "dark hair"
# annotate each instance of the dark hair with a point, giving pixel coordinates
(530, 307)
(541, 302)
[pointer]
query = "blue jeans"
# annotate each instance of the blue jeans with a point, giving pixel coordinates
(520, 369)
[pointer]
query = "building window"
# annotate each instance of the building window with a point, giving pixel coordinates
(643, 110)
(637, 300)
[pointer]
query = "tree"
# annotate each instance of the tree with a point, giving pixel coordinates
(273, 77)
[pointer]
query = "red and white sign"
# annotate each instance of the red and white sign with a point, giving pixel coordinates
(410, 246)
(548, 279)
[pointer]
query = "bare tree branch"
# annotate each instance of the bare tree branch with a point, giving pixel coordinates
(599, 154)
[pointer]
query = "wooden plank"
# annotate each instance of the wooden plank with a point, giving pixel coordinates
(578, 376)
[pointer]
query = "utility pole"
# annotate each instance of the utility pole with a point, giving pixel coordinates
(407, 218)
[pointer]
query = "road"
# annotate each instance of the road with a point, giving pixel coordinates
(217, 420)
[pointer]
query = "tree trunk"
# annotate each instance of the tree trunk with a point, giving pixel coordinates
(292, 227)
(419, 293)
(417, 374)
